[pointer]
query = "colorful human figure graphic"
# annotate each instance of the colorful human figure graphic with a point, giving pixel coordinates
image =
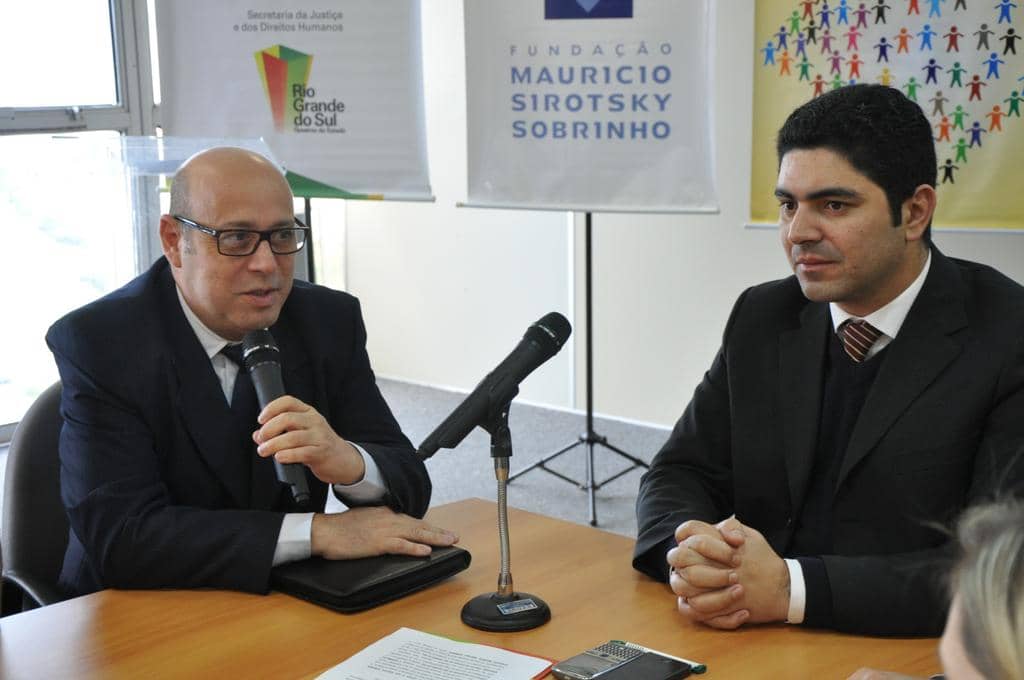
(885, 77)
(938, 102)
(913, 8)
(883, 50)
(836, 59)
(931, 68)
(955, 72)
(960, 4)
(781, 36)
(794, 22)
(958, 117)
(842, 13)
(975, 86)
(944, 128)
(812, 33)
(995, 117)
(880, 8)
(911, 88)
(1014, 102)
(784, 62)
(934, 10)
(903, 41)
(824, 16)
(983, 33)
(1010, 39)
(862, 15)
(805, 67)
(961, 150)
(947, 171)
(976, 131)
(819, 85)
(854, 63)
(926, 35)
(953, 40)
(769, 53)
(1004, 11)
(836, 82)
(994, 63)
(801, 46)
(826, 41)
(851, 38)
(808, 6)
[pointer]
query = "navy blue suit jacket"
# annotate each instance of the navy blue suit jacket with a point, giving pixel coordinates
(156, 491)
(942, 427)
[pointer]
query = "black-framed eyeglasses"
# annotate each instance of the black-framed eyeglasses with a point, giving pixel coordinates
(242, 242)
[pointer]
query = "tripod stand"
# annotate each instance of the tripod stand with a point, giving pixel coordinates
(589, 438)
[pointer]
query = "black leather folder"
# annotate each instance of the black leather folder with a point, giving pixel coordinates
(354, 585)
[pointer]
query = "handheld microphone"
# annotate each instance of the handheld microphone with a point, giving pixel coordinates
(541, 341)
(263, 362)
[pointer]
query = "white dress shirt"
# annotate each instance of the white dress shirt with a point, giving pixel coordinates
(294, 540)
(888, 320)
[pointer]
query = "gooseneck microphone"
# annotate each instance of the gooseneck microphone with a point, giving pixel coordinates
(541, 341)
(263, 362)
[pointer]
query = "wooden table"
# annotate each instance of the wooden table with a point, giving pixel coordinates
(584, 574)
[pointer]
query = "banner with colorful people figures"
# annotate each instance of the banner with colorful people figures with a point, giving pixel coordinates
(962, 61)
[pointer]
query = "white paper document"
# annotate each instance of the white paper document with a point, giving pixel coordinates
(409, 654)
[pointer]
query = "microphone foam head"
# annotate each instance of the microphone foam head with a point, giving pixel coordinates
(550, 332)
(259, 347)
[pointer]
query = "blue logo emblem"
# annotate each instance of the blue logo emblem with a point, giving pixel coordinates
(588, 9)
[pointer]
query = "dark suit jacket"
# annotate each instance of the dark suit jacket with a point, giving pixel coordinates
(155, 489)
(942, 426)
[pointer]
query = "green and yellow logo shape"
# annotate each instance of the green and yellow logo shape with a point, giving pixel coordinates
(285, 73)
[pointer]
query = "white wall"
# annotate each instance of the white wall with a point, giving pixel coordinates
(447, 291)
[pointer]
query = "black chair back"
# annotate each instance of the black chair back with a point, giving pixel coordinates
(34, 533)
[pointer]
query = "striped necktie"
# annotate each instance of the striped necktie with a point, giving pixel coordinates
(858, 336)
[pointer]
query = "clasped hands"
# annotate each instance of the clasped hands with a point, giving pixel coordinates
(726, 575)
(294, 432)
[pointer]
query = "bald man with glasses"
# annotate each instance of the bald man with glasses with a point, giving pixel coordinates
(167, 481)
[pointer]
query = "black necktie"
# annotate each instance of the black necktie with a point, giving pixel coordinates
(243, 396)
(264, 487)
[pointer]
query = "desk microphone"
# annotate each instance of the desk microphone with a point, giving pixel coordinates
(541, 341)
(262, 360)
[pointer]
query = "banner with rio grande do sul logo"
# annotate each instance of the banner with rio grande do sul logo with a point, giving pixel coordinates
(334, 88)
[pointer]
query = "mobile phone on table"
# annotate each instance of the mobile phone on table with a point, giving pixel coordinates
(650, 666)
(617, 660)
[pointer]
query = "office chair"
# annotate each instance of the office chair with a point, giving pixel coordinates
(34, 534)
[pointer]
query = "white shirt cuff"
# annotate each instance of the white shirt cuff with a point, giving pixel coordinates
(370, 489)
(294, 542)
(797, 592)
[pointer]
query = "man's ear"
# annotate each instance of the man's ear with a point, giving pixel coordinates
(171, 238)
(918, 211)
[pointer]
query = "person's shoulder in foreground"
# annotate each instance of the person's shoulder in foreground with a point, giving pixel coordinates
(984, 635)
(853, 405)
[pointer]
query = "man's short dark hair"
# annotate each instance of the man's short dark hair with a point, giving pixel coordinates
(880, 132)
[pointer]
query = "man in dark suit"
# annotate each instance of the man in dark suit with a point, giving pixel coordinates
(167, 481)
(809, 477)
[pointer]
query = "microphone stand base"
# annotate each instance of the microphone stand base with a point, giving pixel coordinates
(505, 613)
